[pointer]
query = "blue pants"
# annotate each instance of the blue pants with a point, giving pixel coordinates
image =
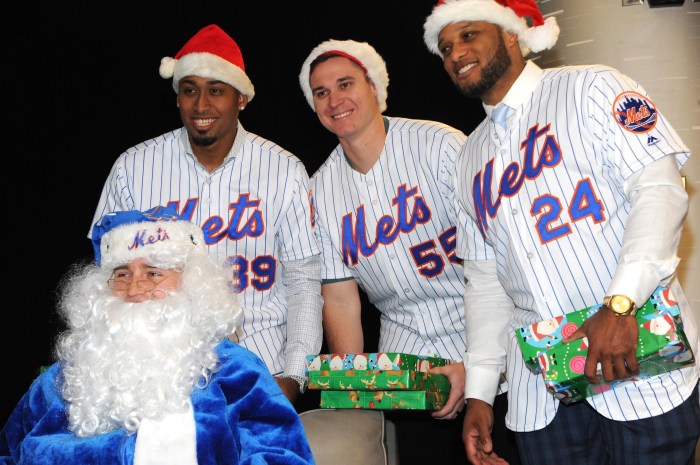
(579, 435)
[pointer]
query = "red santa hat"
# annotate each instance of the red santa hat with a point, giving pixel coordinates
(509, 14)
(361, 53)
(210, 53)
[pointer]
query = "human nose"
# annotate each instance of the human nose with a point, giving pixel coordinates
(136, 287)
(201, 104)
(335, 98)
(456, 53)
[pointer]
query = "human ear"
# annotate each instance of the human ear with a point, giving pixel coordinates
(242, 102)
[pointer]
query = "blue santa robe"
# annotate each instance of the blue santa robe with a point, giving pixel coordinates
(241, 417)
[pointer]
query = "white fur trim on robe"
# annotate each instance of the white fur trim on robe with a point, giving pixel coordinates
(171, 440)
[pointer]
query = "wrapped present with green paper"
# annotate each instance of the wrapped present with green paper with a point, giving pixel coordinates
(372, 361)
(375, 371)
(384, 400)
(662, 347)
(373, 380)
(378, 380)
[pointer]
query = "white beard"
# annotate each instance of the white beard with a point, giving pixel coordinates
(129, 361)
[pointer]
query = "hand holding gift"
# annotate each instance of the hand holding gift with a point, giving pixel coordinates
(553, 347)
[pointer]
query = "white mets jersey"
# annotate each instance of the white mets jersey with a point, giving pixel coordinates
(255, 213)
(393, 231)
(548, 203)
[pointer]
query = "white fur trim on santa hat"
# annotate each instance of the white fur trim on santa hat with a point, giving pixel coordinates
(452, 11)
(206, 65)
(363, 53)
(164, 244)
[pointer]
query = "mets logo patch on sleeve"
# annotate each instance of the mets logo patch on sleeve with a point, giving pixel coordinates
(634, 112)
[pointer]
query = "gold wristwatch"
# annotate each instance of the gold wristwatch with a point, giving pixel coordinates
(620, 305)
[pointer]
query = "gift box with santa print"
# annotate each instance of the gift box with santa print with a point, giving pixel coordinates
(381, 380)
(375, 371)
(372, 361)
(662, 347)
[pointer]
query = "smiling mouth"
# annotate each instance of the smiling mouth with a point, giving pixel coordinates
(203, 122)
(342, 115)
(465, 68)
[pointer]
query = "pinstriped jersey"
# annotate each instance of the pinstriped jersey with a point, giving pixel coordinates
(254, 211)
(547, 196)
(393, 231)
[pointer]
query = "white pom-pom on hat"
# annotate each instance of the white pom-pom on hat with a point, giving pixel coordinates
(167, 67)
(542, 37)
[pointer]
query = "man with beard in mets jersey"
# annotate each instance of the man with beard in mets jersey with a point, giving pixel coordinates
(573, 184)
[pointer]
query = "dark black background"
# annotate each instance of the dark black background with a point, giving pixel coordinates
(82, 85)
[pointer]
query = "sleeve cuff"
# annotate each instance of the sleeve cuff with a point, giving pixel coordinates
(634, 281)
(481, 384)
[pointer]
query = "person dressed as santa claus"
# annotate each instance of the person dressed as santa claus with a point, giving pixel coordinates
(144, 373)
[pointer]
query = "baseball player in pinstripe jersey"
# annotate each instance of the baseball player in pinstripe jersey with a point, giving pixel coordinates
(250, 196)
(577, 200)
(385, 222)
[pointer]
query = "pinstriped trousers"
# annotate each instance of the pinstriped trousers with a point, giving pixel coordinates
(579, 435)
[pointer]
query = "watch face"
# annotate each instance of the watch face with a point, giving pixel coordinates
(620, 304)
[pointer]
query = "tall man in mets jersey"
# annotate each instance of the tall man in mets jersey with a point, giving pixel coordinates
(250, 196)
(573, 184)
(385, 222)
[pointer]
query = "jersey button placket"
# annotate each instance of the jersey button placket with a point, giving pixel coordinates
(205, 195)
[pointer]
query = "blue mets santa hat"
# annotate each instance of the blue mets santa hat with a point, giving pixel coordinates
(159, 235)
(512, 15)
(210, 53)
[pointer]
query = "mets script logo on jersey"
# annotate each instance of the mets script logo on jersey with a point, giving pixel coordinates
(411, 210)
(245, 220)
(541, 151)
(159, 213)
(514, 175)
(634, 112)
